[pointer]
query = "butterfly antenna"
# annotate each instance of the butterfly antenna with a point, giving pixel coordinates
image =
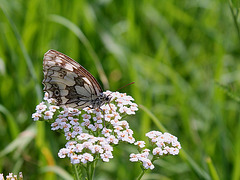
(125, 86)
(122, 87)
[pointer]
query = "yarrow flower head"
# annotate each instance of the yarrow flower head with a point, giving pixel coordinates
(162, 144)
(105, 127)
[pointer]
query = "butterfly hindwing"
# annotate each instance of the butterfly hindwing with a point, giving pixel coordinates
(68, 82)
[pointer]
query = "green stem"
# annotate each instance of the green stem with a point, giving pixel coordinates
(93, 168)
(142, 173)
(88, 172)
(76, 173)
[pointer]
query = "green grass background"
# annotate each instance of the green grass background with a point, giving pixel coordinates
(175, 52)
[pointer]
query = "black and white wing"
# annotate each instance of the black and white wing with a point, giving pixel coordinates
(68, 82)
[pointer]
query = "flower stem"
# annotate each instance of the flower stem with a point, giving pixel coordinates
(93, 166)
(76, 173)
(88, 172)
(142, 173)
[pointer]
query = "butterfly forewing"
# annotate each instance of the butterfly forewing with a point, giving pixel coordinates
(69, 83)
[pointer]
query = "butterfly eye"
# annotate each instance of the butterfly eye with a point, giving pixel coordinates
(108, 98)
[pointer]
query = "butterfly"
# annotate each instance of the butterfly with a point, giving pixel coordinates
(70, 84)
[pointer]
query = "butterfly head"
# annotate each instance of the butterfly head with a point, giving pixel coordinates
(106, 98)
(101, 100)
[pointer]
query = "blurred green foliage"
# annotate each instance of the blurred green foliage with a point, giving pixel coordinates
(173, 50)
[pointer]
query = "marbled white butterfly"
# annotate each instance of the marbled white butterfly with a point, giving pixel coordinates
(71, 84)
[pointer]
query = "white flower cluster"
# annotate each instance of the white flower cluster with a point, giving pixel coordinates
(144, 158)
(105, 123)
(11, 176)
(123, 105)
(105, 129)
(87, 148)
(163, 144)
